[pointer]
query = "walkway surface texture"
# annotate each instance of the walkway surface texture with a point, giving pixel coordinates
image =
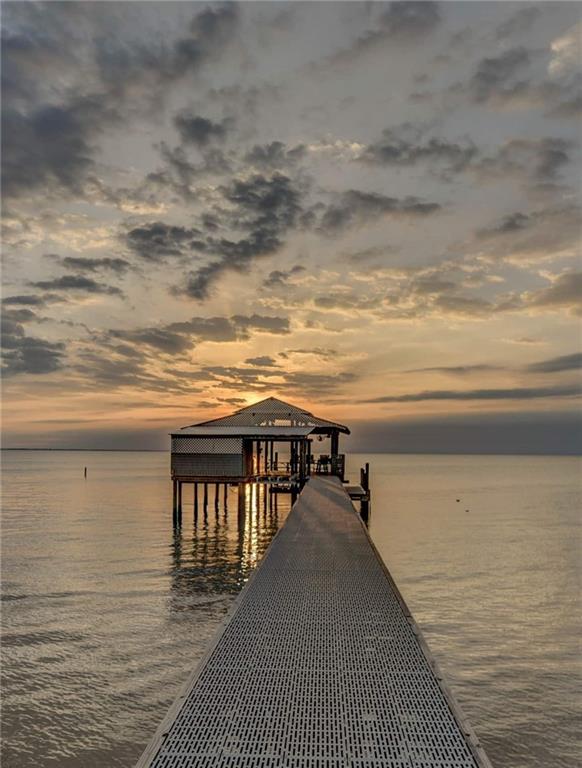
(319, 665)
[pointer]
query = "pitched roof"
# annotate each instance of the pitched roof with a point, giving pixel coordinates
(273, 412)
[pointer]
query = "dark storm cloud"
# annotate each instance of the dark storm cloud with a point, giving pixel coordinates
(156, 240)
(401, 23)
(105, 264)
(410, 19)
(99, 368)
(76, 283)
(516, 393)
(50, 146)
(517, 23)
(507, 81)
(540, 160)
(182, 336)
(32, 299)
(557, 364)
(51, 117)
(263, 323)
(261, 362)
(495, 77)
(27, 354)
(200, 131)
(279, 278)
(355, 208)
(160, 338)
(275, 156)
(267, 208)
(404, 146)
(514, 222)
(180, 173)
(210, 31)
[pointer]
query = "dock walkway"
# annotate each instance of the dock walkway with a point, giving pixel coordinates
(318, 665)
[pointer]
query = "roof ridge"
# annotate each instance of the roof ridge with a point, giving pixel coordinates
(281, 409)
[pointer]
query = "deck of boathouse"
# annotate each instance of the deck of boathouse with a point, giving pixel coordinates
(318, 665)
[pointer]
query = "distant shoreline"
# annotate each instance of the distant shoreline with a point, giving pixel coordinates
(354, 453)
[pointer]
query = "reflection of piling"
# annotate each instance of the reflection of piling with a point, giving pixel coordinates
(241, 499)
(177, 504)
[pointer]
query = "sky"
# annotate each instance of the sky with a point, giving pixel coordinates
(371, 210)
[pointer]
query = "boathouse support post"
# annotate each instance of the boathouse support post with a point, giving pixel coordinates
(205, 499)
(216, 492)
(175, 502)
(195, 502)
(365, 502)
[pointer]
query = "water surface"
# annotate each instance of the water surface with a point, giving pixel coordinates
(106, 611)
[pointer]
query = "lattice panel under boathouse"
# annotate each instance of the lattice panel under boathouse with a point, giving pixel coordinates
(223, 445)
(318, 666)
(207, 456)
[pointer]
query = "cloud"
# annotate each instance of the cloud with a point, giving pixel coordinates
(76, 283)
(27, 354)
(404, 146)
(540, 234)
(518, 23)
(200, 131)
(506, 81)
(182, 336)
(402, 23)
(279, 278)
(495, 78)
(50, 147)
(458, 370)
(104, 264)
(275, 156)
(516, 393)
(536, 160)
(261, 361)
(70, 76)
(571, 362)
(565, 292)
(31, 299)
(264, 206)
(156, 240)
(355, 208)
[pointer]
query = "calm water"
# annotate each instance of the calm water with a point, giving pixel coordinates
(105, 612)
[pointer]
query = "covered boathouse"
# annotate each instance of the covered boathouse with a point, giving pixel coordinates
(269, 440)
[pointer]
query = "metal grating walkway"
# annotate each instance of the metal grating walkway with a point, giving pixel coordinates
(318, 665)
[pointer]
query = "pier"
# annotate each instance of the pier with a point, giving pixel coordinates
(319, 663)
